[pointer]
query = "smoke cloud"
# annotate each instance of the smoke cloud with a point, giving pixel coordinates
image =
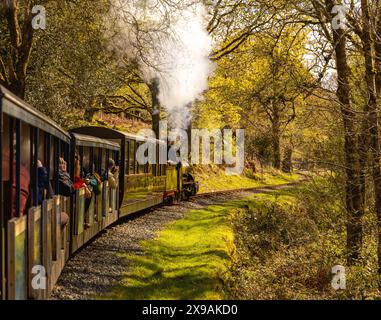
(172, 46)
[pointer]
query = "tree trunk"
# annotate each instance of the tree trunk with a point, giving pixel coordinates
(89, 115)
(20, 46)
(363, 143)
(287, 160)
(276, 137)
(154, 88)
(17, 86)
(374, 92)
(353, 191)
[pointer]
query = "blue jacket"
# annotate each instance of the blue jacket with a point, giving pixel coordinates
(43, 184)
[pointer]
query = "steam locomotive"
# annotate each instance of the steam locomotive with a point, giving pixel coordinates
(35, 242)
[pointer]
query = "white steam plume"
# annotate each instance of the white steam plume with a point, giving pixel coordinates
(170, 41)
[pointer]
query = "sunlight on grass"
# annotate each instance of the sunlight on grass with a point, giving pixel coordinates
(188, 260)
(215, 179)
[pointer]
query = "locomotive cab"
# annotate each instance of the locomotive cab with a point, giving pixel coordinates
(190, 186)
(181, 184)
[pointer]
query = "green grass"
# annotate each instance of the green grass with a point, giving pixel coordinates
(274, 245)
(188, 260)
(215, 179)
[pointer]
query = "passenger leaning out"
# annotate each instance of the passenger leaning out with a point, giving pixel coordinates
(66, 186)
(113, 174)
(45, 190)
(80, 183)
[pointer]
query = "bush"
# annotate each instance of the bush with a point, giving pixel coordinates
(287, 244)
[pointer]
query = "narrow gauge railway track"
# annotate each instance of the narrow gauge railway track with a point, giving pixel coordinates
(98, 266)
(254, 190)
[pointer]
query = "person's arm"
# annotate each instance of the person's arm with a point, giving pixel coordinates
(43, 183)
(112, 181)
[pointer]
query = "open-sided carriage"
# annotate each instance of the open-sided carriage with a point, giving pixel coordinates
(141, 186)
(33, 245)
(92, 215)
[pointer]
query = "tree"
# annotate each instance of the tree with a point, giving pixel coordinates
(16, 37)
(372, 112)
(266, 78)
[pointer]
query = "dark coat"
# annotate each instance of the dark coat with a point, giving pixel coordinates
(66, 186)
(44, 185)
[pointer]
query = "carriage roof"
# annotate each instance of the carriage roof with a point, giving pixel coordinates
(19, 109)
(112, 134)
(95, 142)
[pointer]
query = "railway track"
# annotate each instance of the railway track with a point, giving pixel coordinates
(98, 266)
(304, 177)
(255, 190)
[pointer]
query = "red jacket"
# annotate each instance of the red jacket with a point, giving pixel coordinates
(78, 183)
(24, 185)
(24, 189)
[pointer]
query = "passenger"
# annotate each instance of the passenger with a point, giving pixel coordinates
(10, 186)
(113, 174)
(66, 186)
(88, 187)
(24, 189)
(80, 183)
(24, 183)
(95, 181)
(45, 189)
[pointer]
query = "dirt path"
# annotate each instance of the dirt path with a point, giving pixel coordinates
(97, 267)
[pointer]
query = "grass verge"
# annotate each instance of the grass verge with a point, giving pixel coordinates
(188, 260)
(274, 245)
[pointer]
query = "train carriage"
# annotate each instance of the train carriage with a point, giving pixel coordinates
(35, 239)
(91, 215)
(30, 233)
(141, 186)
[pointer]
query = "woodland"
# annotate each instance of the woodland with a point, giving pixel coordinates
(302, 77)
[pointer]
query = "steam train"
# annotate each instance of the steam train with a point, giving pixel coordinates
(35, 244)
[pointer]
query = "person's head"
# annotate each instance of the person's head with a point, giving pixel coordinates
(111, 164)
(62, 165)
